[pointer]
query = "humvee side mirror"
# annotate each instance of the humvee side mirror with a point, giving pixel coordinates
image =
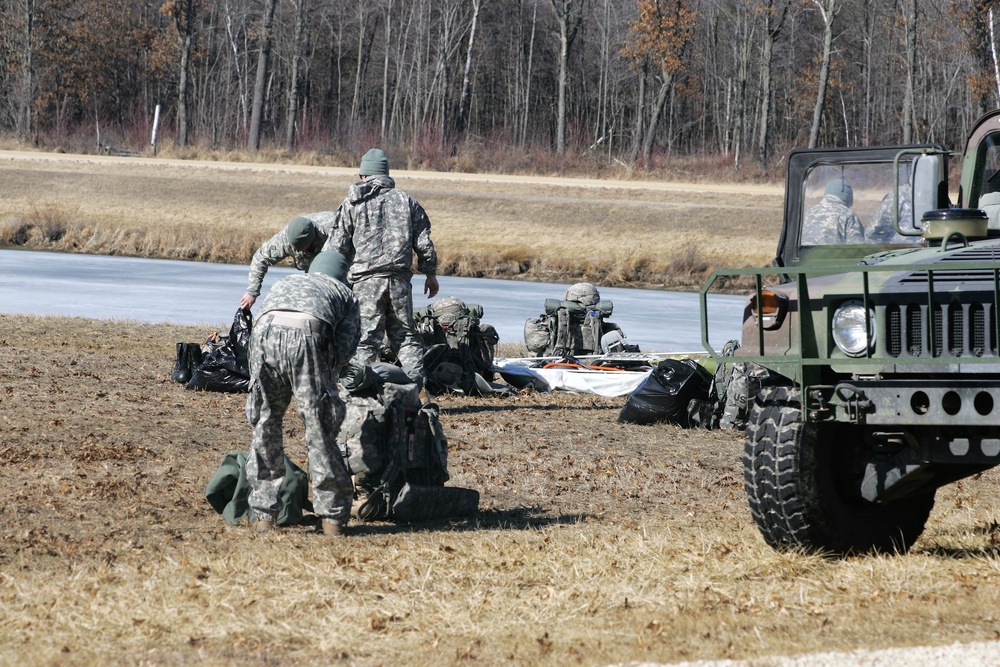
(928, 175)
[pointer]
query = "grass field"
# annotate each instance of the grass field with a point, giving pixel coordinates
(614, 233)
(597, 543)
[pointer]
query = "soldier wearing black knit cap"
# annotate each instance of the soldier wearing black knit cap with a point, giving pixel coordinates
(831, 221)
(380, 229)
(301, 239)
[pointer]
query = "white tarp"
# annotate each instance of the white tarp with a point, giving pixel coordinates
(602, 383)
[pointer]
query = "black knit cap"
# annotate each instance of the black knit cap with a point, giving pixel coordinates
(330, 263)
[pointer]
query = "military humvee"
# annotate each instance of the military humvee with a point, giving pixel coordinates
(883, 366)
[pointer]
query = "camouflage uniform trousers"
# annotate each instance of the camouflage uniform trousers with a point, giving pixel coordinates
(386, 305)
(287, 361)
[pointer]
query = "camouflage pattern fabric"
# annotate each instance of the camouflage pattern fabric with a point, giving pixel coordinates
(585, 293)
(379, 229)
(324, 298)
(745, 381)
(883, 227)
(447, 309)
(830, 222)
(278, 248)
(386, 306)
(287, 361)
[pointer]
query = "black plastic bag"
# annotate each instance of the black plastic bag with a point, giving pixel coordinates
(665, 394)
(227, 368)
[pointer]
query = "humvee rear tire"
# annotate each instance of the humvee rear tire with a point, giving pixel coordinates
(803, 484)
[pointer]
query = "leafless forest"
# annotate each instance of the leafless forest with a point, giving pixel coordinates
(624, 82)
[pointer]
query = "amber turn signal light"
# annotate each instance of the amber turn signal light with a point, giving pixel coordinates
(770, 312)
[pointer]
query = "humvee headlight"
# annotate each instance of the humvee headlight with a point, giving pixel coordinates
(853, 333)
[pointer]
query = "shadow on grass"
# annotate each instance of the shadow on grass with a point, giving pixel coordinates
(522, 518)
(506, 407)
(962, 553)
(991, 531)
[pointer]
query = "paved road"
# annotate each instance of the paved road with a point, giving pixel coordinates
(151, 290)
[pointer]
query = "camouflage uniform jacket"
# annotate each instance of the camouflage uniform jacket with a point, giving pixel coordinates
(379, 229)
(883, 227)
(831, 222)
(322, 297)
(278, 248)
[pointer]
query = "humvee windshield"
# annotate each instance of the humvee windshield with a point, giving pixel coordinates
(989, 178)
(852, 203)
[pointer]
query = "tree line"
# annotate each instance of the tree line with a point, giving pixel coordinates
(628, 81)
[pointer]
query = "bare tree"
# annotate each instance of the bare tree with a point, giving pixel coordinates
(774, 13)
(745, 29)
(828, 11)
(910, 24)
(528, 74)
(569, 15)
(263, 62)
(183, 13)
(383, 126)
(17, 78)
(293, 76)
(463, 98)
(659, 38)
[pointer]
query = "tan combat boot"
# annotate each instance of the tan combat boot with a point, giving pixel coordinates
(262, 527)
(333, 529)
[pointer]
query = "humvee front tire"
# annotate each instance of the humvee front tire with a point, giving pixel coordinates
(803, 484)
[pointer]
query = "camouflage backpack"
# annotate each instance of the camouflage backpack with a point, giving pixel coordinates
(460, 348)
(573, 326)
(733, 388)
(397, 451)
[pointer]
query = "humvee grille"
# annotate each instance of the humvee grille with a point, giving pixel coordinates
(914, 333)
(961, 329)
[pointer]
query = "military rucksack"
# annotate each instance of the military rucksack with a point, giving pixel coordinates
(734, 385)
(459, 348)
(397, 451)
(573, 326)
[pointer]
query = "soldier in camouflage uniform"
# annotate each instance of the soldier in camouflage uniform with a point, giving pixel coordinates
(379, 228)
(831, 221)
(301, 239)
(883, 227)
(306, 332)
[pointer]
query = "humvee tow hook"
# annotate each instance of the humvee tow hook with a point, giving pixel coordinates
(854, 401)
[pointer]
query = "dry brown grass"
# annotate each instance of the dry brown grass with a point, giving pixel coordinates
(597, 543)
(624, 233)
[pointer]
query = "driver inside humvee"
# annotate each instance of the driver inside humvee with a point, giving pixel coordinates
(852, 204)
